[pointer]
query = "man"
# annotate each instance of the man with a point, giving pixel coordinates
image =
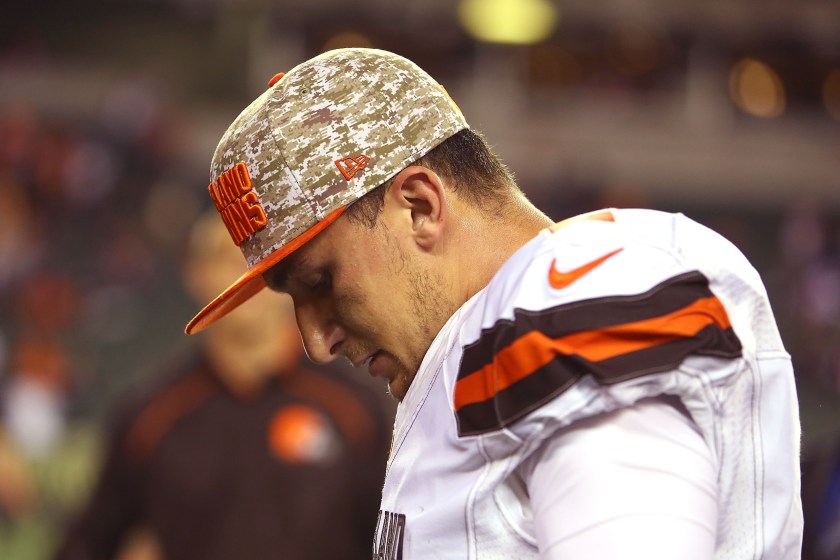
(612, 386)
(241, 453)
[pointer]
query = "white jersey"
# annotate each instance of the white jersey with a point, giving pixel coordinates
(593, 316)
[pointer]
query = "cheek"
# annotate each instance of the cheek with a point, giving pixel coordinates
(367, 311)
(359, 318)
(370, 296)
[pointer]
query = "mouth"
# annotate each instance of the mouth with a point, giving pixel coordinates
(372, 363)
(366, 361)
(383, 365)
(379, 365)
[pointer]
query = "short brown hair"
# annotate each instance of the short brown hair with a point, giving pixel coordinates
(475, 172)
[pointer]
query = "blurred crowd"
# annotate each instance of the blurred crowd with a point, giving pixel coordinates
(94, 211)
(93, 216)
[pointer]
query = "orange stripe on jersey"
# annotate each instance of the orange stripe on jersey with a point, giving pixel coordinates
(534, 349)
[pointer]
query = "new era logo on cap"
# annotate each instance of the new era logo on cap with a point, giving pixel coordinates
(349, 166)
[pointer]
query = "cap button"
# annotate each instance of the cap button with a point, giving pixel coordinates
(276, 78)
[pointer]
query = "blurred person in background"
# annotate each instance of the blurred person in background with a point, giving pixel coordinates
(242, 453)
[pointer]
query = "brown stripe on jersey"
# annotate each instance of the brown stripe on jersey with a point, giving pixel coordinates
(711, 340)
(535, 349)
(519, 399)
(667, 297)
(536, 366)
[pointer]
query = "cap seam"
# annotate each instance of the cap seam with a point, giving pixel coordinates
(282, 155)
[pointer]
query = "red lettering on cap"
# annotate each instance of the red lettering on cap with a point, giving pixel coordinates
(239, 205)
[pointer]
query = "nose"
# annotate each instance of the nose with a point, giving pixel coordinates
(322, 336)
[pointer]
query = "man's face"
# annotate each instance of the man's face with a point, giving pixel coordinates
(367, 294)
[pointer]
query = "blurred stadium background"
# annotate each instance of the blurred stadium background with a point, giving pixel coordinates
(109, 112)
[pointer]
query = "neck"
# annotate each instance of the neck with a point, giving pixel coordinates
(502, 234)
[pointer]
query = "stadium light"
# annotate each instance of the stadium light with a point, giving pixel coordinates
(517, 22)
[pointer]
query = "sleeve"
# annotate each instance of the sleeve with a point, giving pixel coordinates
(638, 484)
(520, 364)
(99, 529)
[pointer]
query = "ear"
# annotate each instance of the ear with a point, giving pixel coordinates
(418, 195)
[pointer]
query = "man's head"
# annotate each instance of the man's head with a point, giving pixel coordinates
(321, 137)
(368, 132)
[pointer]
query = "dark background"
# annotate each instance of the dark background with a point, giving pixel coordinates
(109, 112)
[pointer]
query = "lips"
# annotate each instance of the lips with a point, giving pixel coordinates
(372, 361)
(377, 363)
(360, 362)
(381, 364)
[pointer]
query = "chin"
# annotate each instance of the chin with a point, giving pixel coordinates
(396, 394)
(398, 387)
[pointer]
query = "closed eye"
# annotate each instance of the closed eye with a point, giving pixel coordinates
(276, 277)
(321, 283)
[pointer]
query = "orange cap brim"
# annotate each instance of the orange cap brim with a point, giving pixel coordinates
(250, 283)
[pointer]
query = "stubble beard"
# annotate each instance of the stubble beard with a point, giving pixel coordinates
(430, 310)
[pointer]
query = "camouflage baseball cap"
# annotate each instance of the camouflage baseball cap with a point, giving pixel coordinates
(322, 136)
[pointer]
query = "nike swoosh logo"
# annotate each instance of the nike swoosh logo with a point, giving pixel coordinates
(560, 280)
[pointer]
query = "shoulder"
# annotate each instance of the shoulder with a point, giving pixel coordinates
(603, 253)
(608, 299)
